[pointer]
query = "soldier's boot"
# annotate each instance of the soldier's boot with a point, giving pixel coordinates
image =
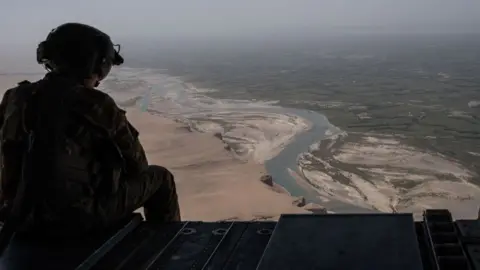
(163, 205)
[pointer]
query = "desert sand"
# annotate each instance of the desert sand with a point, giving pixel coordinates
(212, 184)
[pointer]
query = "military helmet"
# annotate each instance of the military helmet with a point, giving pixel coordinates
(79, 50)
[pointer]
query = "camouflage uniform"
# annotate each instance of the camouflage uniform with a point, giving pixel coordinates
(104, 171)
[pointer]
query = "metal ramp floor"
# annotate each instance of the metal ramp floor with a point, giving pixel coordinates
(331, 241)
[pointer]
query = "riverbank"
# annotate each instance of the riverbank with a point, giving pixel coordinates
(384, 173)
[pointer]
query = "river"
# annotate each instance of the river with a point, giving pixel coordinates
(278, 166)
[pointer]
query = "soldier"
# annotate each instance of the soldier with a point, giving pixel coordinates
(86, 167)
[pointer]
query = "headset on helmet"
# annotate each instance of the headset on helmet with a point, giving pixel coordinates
(79, 50)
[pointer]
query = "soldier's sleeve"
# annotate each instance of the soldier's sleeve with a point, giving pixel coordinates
(3, 106)
(126, 138)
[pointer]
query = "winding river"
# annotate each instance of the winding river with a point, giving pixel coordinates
(278, 166)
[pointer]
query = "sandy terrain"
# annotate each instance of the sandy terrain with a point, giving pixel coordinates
(212, 184)
(384, 174)
(251, 128)
(257, 136)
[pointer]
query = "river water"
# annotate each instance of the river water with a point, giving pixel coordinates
(278, 166)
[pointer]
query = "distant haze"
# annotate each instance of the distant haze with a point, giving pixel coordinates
(30, 20)
(23, 23)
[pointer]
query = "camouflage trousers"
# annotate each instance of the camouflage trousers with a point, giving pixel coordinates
(154, 190)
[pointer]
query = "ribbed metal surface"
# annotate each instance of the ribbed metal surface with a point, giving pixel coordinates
(379, 241)
(444, 241)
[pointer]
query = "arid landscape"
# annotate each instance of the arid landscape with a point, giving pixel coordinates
(352, 124)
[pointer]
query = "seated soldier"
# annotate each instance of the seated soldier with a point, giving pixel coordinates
(75, 148)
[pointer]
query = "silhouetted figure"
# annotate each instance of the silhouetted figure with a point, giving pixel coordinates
(72, 164)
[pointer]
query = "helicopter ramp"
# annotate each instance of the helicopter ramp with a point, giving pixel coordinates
(329, 241)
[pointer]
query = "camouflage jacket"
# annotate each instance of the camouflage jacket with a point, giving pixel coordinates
(100, 149)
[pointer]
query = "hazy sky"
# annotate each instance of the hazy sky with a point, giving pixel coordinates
(30, 20)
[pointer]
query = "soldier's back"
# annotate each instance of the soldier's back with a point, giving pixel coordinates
(86, 156)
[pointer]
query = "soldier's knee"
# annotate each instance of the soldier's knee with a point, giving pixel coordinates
(162, 173)
(159, 170)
